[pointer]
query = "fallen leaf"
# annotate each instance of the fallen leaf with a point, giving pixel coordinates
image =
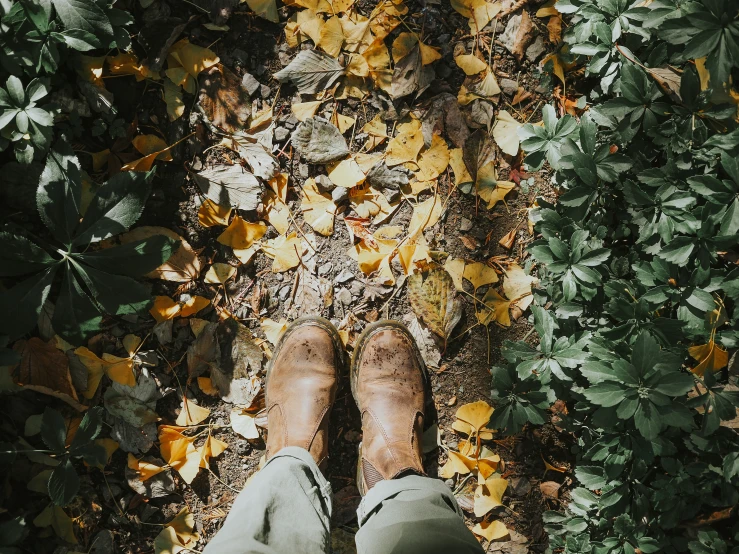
(219, 273)
(224, 102)
(145, 470)
(470, 64)
(183, 266)
(476, 414)
(311, 71)
(456, 464)
(285, 251)
(191, 414)
(44, 369)
(266, 9)
(242, 234)
(424, 340)
(489, 495)
(406, 145)
(206, 386)
(319, 142)
(410, 74)
(508, 239)
(193, 58)
(55, 517)
(491, 530)
(230, 185)
(425, 214)
(211, 214)
(505, 133)
(193, 305)
(164, 308)
(331, 37)
(261, 161)
(179, 451)
(212, 448)
(346, 173)
(480, 274)
(305, 110)
(172, 96)
(494, 308)
(244, 424)
(318, 208)
(434, 299)
(455, 268)
(405, 43)
(709, 356)
(374, 257)
(273, 329)
(342, 122)
(517, 286)
(433, 160)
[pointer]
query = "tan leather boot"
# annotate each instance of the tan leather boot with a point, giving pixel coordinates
(388, 383)
(301, 387)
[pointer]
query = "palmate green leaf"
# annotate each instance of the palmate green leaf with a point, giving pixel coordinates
(25, 301)
(545, 143)
(115, 294)
(89, 428)
(591, 477)
(64, 483)
(117, 205)
(20, 256)
(606, 394)
(86, 15)
(59, 193)
(134, 258)
(76, 317)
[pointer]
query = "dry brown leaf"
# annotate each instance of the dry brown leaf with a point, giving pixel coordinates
(709, 356)
(45, 369)
(223, 100)
(508, 239)
(433, 298)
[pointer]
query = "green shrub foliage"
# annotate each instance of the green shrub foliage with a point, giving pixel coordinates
(636, 261)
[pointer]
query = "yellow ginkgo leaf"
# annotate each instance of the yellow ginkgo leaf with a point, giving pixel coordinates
(470, 64)
(482, 13)
(310, 25)
(191, 414)
(414, 253)
(127, 64)
(489, 188)
(244, 424)
(434, 160)
(358, 66)
(375, 257)
(505, 133)
(331, 37)
(164, 308)
(318, 208)
(558, 67)
(172, 95)
(266, 9)
(517, 286)
(219, 273)
(305, 110)
(145, 470)
(425, 214)
(193, 58)
(489, 464)
(207, 387)
(194, 305)
(405, 42)
(709, 356)
(211, 449)
(167, 542)
(273, 329)
(120, 370)
(276, 212)
(455, 268)
(480, 274)
(179, 451)
(459, 168)
(477, 414)
(95, 369)
(465, 428)
(406, 144)
(241, 234)
(110, 446)
(151, 144)
(491, 530)
(343, 122)
(285, 251)
(211, 214)
(456, 464)
(183, 524)
(494, 308)
(346, 173)
(489, 495)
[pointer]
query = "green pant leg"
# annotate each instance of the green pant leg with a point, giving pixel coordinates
(413, 515)
(286, 508)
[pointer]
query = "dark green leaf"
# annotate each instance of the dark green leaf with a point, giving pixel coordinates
(63, 483)
(19, 256)
(134, 258)
(59, 192)
(24, 301)
(53, 430)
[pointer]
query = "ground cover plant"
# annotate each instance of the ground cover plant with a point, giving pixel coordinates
(547, 193)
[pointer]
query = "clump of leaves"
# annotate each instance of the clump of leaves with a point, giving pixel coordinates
(93, 282)
(636, 311)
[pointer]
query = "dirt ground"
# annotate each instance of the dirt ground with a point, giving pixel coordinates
(466, 230)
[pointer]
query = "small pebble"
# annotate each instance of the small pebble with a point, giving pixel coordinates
(281, 134)
(325, 269)
(465, 224)
(340, 194)
(344, 276)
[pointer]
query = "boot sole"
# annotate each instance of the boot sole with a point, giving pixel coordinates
(354, 376)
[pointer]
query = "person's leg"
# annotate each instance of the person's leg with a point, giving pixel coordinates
(403, 511)
(285, 508)
(413, 514)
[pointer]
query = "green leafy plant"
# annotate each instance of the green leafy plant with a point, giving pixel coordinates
(637, 275)
(22, 122)
(93, 282)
